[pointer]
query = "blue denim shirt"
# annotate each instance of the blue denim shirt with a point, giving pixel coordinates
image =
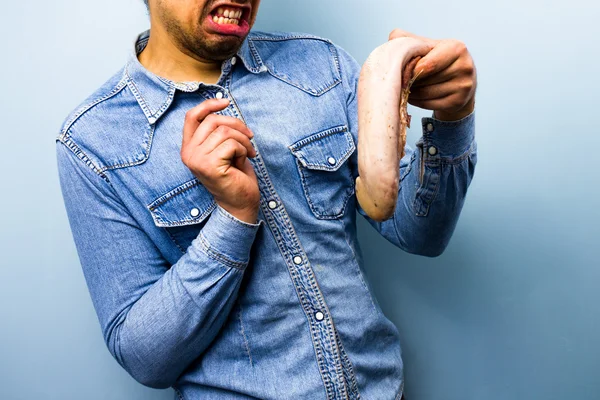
(191, 297)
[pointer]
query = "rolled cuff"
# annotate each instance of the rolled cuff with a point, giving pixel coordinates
(448, 139)
(227, 238)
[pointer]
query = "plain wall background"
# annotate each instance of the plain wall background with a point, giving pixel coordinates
(509, 311)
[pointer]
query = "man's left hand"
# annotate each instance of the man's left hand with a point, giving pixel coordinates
(448, 79)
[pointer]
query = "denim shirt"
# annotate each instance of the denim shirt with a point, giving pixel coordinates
(190, 297)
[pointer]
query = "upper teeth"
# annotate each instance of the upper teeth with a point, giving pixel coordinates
(229, 12)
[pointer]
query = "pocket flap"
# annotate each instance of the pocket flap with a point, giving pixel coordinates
(186, 204)
(326, 150)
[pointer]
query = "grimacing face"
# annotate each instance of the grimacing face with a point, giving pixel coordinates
(209, 30)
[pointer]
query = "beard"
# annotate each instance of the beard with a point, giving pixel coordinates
(194, 41)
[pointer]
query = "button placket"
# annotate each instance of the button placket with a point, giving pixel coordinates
(305, 284)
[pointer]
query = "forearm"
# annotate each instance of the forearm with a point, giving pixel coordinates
(156, 318)
(174, 321)
(434, 181)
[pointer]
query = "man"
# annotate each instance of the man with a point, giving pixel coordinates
(210, 189)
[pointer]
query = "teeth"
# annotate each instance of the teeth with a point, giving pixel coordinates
(225, 15)
(229, 13)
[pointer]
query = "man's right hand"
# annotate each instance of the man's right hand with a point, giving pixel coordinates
(215, 148)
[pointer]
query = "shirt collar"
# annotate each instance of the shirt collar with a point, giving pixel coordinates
(155, 93)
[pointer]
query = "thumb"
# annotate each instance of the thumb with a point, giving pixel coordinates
(398, 33)
(438, 59)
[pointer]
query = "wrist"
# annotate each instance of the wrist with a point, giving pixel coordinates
(248, 215)
(455, 115)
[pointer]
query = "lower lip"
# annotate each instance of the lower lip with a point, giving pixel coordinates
(229, 29)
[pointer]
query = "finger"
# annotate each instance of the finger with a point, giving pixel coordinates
(222, 134)
(228, 151)
(438, 59)
(448, 103)
(245, 166)
(398, 33)
(214, 121)
(432, 92)
(197, 114)
(451, 72)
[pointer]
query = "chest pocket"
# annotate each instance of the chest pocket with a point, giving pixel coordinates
(326, 178)
(183, 211)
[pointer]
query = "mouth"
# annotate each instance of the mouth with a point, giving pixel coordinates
(230, 19)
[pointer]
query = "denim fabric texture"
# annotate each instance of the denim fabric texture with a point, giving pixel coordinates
(190, 297)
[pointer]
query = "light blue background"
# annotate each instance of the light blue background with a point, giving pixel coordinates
(509, 311)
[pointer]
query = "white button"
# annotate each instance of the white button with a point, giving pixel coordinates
(331, 160)
(272, 204)
(432, 150)
(219, 95)
(194, 212)
(297, 260)
(233, 61)
(319, 316)
(430, 127)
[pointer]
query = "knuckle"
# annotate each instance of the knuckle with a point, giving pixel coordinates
(461, 47)
(189, 115)
(395, 33)
(467, 86)
(220, 132)
(210, 118)
(470, 66)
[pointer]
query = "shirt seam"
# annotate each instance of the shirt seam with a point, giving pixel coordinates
(84, 109)
(207, 249)
(81, 155)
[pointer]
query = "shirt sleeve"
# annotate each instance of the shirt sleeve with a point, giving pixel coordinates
(434, 176)
(156, 318)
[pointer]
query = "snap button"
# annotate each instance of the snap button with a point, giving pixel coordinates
(272, 204)
(297, 260)
(430, 127)
(432, 150)
(194, 212)
(319, 316)
(233, 61)
(331, 160)
(219, 95)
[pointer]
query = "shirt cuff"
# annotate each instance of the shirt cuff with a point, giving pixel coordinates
(447, 139)
(228, 238)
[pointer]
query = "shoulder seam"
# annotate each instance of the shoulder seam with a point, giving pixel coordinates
(76, 150)
(67, 126)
